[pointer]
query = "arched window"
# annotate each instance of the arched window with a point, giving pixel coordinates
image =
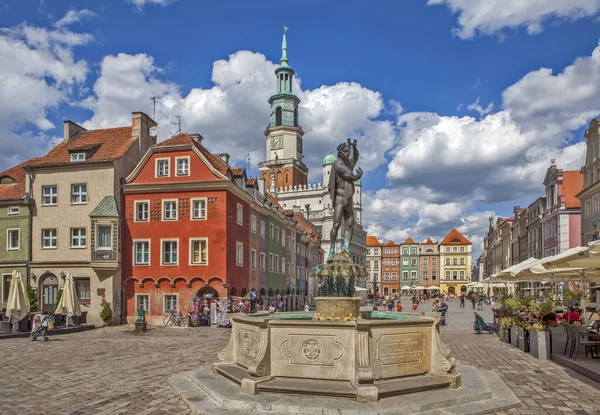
(278, 116)
(287, 178)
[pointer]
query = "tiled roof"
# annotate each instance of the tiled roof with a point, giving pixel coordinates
(15, 190)
(251, 181)
(237, 171)
(110, 144)
(571, 185)
(455, 238)
(107, 208)
(409, 241)
(185, 138)
(372, 241)
(274, 201)
(390, 243)
(429, 242)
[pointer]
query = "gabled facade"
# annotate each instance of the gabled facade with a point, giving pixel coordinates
(77, 204)
(455, 263)
(390, 258)
(373, 265)
(429, 264)
(409, 263)
(589, 196)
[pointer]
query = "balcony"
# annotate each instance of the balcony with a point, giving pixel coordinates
(105, 263)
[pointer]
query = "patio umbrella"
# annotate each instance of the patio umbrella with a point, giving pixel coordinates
(433, 287)
(405, 287)
(578, 257)
(69, 302)
(420, 287)
(509, 273)
(17, 304)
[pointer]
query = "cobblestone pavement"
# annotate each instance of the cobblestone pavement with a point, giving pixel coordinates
(114, 371)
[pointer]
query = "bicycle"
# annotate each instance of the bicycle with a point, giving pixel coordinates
(174, 319)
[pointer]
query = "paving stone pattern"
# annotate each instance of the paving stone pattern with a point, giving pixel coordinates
(114, 371)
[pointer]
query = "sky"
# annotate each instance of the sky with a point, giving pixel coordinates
(458, 106)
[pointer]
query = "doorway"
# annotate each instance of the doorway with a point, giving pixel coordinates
(207, 292)
(451, 290)
(49, 292)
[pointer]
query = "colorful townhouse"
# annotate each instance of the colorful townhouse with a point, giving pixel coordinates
(195, 226)
(76, 201)
(373, 265)
(455, 263)
(390, 268)
(429, 264)
(15, 224)
(409, 263)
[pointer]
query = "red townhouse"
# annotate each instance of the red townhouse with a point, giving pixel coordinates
(185, 209)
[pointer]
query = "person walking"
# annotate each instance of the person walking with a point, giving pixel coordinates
(462, 299)
(473, 300)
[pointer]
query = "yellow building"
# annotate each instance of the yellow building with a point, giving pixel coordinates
(455, 263)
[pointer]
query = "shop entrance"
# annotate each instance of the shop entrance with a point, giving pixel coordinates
(207, 292)
(451, 290)
(49, 292)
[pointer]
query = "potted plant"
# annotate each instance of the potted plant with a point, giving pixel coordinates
(106, 312)
(539, 341)
(505, 325)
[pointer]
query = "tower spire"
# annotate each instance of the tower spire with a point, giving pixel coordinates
(284, 58)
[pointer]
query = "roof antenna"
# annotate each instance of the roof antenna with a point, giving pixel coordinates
(153, 99)
(248, 161)
(177, 123)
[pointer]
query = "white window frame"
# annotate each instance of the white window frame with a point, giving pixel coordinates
(51, 195)
(81, 194)
(157, 163)
(50, 238)
(98, 234)
(8, 240)
(239, 256)
(282, 265)
(239, 214)
(74, 157)
(187, 158)
(137, 302)
(164, 218)
(252, 223)
(413, 275)
(192, 263)
(79, 237)
(262, 228)
(425, 261)
(253, 259)
(162, 247)
(176, 302)
(134, 259)
(277, 234)
(135, 210)
(12, 212)
(447, 275)
(193, 208)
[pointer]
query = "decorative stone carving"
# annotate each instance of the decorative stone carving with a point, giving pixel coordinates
(302, 349)
(311, 349)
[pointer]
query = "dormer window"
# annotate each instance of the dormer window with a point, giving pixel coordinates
(74, 157)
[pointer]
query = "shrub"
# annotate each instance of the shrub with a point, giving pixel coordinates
(106, 312)
(32, 299)
(58, 296)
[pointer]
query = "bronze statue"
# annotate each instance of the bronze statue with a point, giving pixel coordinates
(341, 189)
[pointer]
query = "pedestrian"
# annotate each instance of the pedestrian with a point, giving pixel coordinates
(399, 306)
(473, 300)
(480, 303)
(462, 300)
(306, 307)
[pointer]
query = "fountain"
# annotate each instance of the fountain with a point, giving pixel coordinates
(337, 351)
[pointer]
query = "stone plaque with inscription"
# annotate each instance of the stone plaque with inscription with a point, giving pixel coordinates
(394, 349)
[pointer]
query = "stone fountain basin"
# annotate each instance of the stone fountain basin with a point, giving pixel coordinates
(387, 354)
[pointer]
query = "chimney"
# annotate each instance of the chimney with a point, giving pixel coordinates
(224, 157)
(491, 218)
(71, 129)
(197, 138)
(140, 130)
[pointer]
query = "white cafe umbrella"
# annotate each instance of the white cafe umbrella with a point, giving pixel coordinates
(508, 274)
(406, 287)
(578, 257)
(420, 287)
(17, 304)
(433, 287)
(69, 302)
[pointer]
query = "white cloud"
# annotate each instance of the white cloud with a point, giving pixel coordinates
(141, 3)
(477, 107)
(74, 16)
(493, 16)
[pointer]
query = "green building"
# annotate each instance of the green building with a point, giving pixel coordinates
(409, 263)
(275, 253)
(15, 217)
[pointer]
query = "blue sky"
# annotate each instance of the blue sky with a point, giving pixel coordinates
(461, 106)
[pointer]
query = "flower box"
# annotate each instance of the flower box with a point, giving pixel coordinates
(539, 344)
(523, 343)
(514, 336)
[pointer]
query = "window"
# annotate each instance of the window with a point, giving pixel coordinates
(454, 249)
(82, 286)
(78, 237)
(183, 166)
(271, 265)
(376, 264)
(162, 167)
(271, 231)
(170, 303)
(405, 261)
(387, 251)
(433, 261)
(283, 265)
(199, 251)
(447, 261)
(253, 258)
(413, 275)
(49, 195)
(142, 253)
(368, 252)
(447, 275)
(394, 261)
(413, 251)
(462, 275)
(262, 261)
(425, 275)
(169, 252)
(454, 275)
(424, 261)
(386, 261)
(48, 238)
(454, 261)
(169, 210)
(595, 205)
(239, 254)
(386, 276)
(253, 223)
(276, 263)
(405, 251)
(404, 275)
(394, 276)
(6, 279)
(79, 194)
(447, 249)
(143, 302)
(262, 228)
(13, 210)
(414, 261)
(77, 157)
(13, 239)
(141, 211)
(283, 238)
(462, 261)
(368, 264)
(433, 275)
(462, 249)
(240, 214)
(104, 239)
(198, 208)
(277, 233)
